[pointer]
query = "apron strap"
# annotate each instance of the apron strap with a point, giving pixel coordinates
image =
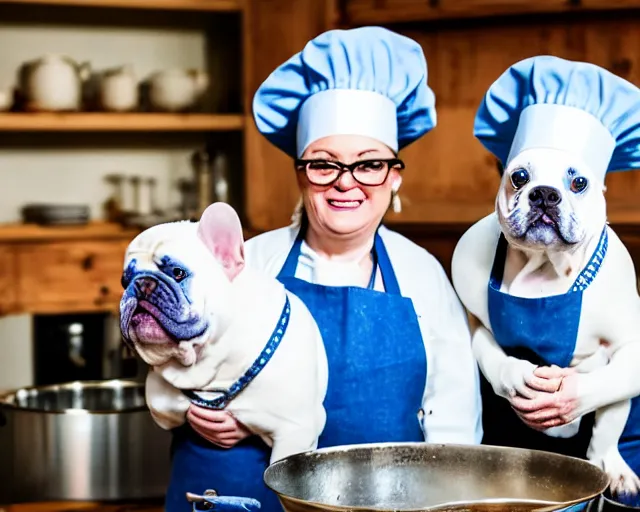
(291, 263)
(589, 273)
(497, 270)
(379, 255)
(386, 269)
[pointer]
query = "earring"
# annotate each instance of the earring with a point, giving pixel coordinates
(396, 204)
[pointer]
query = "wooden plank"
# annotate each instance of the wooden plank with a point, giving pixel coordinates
(277, 29)
(181, 5)
(18, 233)
(117, 122)
(82, 275)
(368, 12)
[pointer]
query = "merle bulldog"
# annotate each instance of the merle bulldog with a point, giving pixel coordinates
(553, 301)
(220, 334)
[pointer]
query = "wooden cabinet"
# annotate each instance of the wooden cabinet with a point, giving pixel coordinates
(69, 276)
(54, 270)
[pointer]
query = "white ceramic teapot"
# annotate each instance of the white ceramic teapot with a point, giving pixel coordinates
(176, 90)
(53, 83)
(119, 89)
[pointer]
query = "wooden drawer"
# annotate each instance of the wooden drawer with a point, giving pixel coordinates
(70, 276)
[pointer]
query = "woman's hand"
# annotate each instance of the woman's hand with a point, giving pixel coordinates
(554, 401)
(218, 427)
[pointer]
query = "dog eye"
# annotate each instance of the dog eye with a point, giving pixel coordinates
(579, 184)
(519, 178)
(179, 274)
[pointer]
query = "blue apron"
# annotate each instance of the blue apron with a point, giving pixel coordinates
(544, 332)
(377, 375)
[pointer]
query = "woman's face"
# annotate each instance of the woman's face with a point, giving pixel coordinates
(346, 207)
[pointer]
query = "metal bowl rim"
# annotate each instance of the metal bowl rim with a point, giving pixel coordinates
(389, 445)
(76, 384)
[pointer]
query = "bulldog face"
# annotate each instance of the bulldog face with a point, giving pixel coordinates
(549, 200)
(177, 285)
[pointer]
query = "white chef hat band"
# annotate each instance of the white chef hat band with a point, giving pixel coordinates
(565, 128)
(347, 112)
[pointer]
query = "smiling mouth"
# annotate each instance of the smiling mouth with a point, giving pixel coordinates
(344, 205)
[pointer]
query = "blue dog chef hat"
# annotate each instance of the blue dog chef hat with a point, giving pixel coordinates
(364, 81)
(548, 102)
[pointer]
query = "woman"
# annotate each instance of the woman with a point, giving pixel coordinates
(400, 361)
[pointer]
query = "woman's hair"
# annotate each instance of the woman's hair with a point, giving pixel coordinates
(299, 214)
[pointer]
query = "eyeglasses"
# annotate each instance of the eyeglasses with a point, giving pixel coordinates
(366, 172)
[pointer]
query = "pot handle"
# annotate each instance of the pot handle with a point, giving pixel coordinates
(211, 501)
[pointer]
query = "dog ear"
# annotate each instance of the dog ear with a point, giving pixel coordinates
(221, 231)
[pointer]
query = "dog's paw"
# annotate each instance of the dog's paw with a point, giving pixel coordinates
(622, 479)
(514, 375)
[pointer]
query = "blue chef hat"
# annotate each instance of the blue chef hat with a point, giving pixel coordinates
(364, 81)
(548, 102)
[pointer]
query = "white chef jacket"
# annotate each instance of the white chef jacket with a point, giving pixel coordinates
(451, 401)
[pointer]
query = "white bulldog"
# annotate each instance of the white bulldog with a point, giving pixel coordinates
(200, 318)
(552, 212)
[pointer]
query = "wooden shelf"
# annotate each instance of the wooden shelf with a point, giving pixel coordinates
(116, 122)
(366, 12)
(19, 233)
(181, 5)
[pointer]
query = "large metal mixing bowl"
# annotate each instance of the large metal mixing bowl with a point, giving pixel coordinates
(88, 441)
(429, 477)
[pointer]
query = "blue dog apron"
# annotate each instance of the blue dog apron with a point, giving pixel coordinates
(544, 331)
(377, 374)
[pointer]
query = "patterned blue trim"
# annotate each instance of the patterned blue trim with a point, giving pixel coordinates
(222, 401)
(589, 273)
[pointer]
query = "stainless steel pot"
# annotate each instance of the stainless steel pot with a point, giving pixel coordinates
(81, 441)
(429, 477)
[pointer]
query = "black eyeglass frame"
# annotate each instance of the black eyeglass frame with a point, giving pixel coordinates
(392, 163)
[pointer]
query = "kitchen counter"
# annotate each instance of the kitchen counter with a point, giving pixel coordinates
(73, 506)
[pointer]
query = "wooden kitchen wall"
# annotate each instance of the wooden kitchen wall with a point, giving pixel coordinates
(277, 30)
(450, 178)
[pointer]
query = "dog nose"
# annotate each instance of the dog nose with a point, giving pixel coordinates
(545, 196)
(146, 285)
